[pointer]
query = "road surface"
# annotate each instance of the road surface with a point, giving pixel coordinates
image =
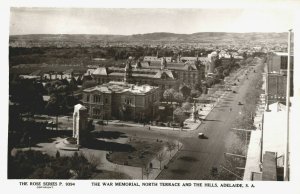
(197, 156)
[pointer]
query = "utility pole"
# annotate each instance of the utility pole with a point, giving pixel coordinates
(267, 82)
(286, 158)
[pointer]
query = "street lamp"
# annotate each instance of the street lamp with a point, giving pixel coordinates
(286, 136)
(29, 142)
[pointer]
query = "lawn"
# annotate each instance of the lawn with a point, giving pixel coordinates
(144, 151)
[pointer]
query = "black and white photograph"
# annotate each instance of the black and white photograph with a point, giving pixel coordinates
(151, 94)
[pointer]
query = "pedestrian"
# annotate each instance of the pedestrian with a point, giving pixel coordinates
(149, 128)
(230, 109)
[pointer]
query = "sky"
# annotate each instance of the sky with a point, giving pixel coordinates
(126, 21)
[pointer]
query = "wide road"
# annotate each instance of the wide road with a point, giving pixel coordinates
(197, 156)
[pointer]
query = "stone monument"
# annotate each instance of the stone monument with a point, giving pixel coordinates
(80, 121)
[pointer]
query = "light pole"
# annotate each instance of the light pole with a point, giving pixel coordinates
(286, 158)
(29, 142)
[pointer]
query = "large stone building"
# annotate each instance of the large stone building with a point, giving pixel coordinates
(162, 77)
(190, 72)
(121, 100)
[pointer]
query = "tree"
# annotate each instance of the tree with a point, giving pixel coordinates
(28, 94)
(169, 94)
(160, 157)
(57, 155)
(170, 147)
(73, 84)
(178, 111)
(178, 97)
(195, 93)
(185, 90)
(89, 84)
(187, 106)
(210, 82)
(198, 86)
(55, 105)
(225, 72)
(179, 114)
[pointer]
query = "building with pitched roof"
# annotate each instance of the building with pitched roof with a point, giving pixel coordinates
(121, 100)
(162, 77)
(189, 72)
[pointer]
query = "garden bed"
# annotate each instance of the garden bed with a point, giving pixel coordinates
(145, 151)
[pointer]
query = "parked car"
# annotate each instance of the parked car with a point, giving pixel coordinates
(201, 135)
(240, 103)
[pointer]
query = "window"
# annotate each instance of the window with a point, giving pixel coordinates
(127, 101)
(96, 98)
(87, 97)
(96, 111)
(106, 101)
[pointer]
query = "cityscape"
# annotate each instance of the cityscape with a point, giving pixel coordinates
(147, 105)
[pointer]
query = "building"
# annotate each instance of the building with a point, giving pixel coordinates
(156, 59)
(277, 63)
(189, 73)
(67, 75)
(121, 100)
(162, 77)
(277, 77)
(276, 88)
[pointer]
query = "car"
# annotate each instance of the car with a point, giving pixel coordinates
(233, 91)
(240, 103)
(201, 135)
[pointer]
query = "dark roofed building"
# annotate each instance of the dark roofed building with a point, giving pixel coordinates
(161, 77)
(189, 73)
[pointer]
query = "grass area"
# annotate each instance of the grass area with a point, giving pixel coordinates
(144, 151)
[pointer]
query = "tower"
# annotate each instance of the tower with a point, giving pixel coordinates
(128, 71)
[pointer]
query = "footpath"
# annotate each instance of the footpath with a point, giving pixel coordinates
(254, 148)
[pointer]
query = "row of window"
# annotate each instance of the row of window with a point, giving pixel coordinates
(148, 99)
(96, 99)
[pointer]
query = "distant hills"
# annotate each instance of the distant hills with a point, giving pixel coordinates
(201, 37)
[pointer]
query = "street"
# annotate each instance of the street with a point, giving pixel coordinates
(197, 156)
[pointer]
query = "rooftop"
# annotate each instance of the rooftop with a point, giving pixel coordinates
(122, 87)
(274, 127)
